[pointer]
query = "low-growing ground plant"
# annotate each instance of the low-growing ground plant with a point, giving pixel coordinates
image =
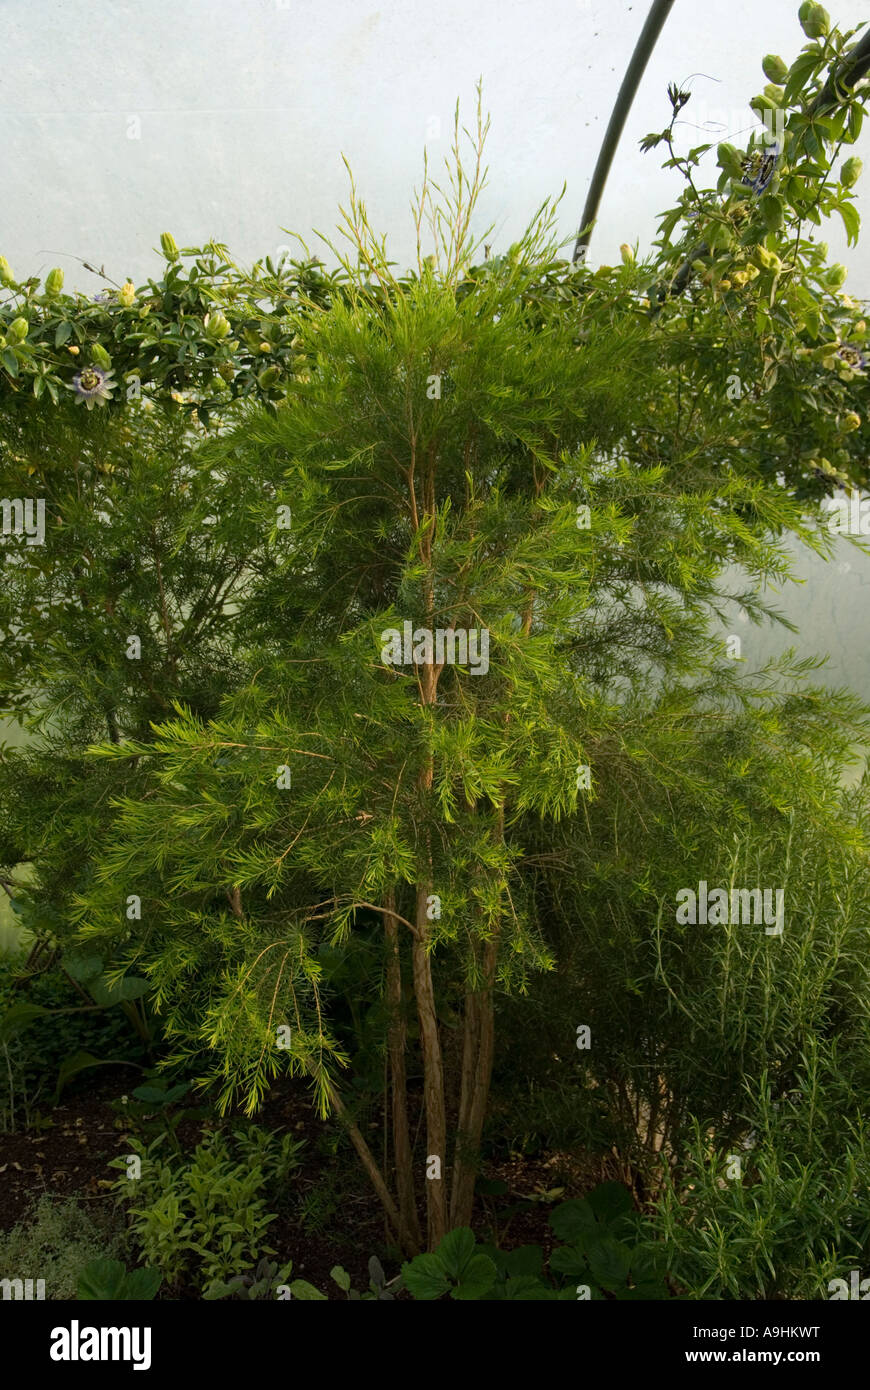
(267, 1281)
(605, 1253)
(110, 1282)
(56, 1239)
(205, 1215)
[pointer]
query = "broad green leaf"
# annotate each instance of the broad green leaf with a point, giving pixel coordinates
(526, 1288)
(82, 1061)
(610, 1261)
(102, 1280)
(18, 1018)
(610, 1200)
(571, 1260)
(142, 1284)
(525, 1260)
(131, 987)
(82, 965)
(478, 1276)
(425, 1278)
(300, 1288)
(573, 1219)
(455, 1251)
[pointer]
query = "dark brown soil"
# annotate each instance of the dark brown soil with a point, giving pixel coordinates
(330, 1215)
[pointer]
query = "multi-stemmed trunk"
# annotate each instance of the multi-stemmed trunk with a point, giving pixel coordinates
(398, 1100)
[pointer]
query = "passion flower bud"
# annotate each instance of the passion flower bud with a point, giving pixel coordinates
(168, 246)
(6, 276)
(127, 294)
(54, 281)
(18, 330)
(851, 171)
(769, 259)
(626, 253)
(216, 325)
(836, 276)
(774, 69)
(814, 20)
(268, 377)
(851, 420)
(100, 356)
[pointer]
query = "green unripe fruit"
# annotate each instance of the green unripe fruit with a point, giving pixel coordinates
(18, 330)
(814, 20)
(268, 377)
(774, 69)
(54, 281)
(851, 171)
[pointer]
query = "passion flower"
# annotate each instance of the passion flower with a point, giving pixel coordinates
(93, 386)
(854, 359)
(759, 168)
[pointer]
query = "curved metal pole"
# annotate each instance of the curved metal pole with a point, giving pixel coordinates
(634, 72)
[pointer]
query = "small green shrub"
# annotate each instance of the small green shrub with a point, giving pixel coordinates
(55, 1241)
(205, 1215)
(793, 1213)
